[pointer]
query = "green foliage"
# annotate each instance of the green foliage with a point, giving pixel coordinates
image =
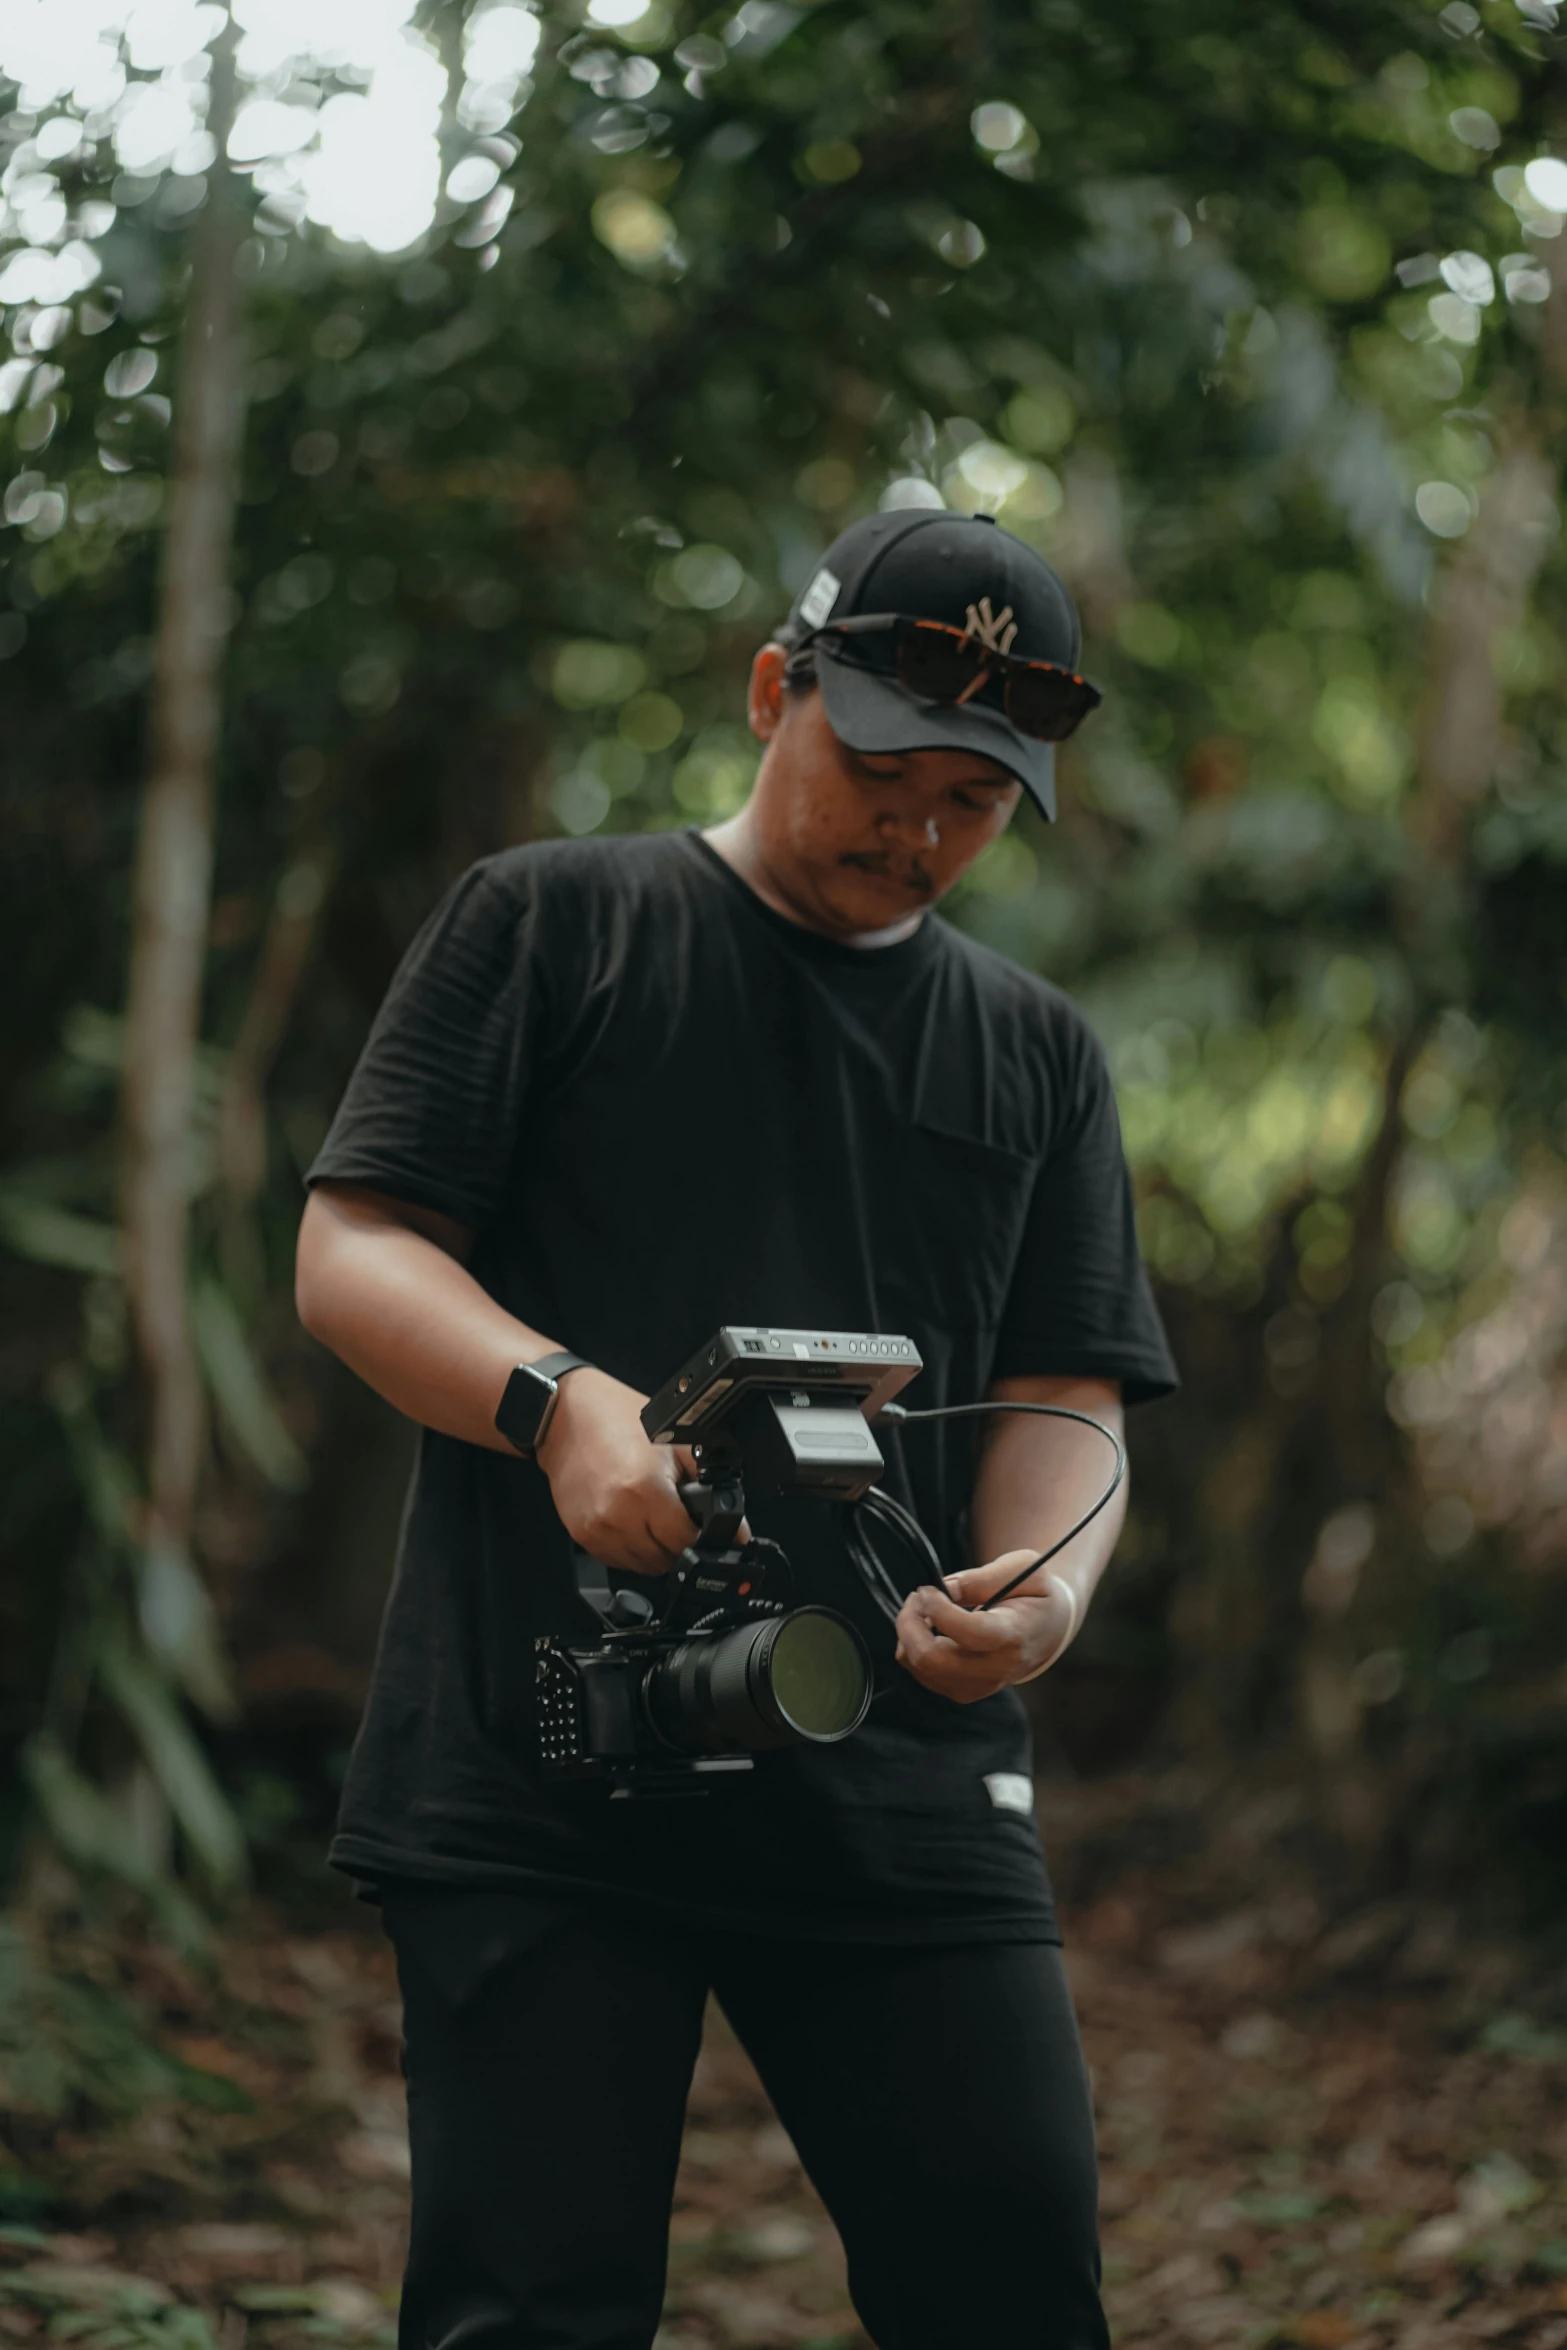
(70, 2047)
(104, 2310)
(240, 1391)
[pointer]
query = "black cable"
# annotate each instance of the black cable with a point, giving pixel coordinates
(876, 1504)
(863, 1555)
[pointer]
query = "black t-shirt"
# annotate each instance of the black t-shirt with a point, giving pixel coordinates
(662, 1107)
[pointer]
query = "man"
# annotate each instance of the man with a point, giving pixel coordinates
(622, 1092)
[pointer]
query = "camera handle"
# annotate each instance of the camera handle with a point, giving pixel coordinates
(716, 1501)
(715, 1568)
(719, 1569)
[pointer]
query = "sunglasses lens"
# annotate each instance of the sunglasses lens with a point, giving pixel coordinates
(1047, 704)
(937, 665)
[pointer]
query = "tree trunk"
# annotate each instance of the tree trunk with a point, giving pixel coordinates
(1483, 593)
(242, 1119)
(174, 850)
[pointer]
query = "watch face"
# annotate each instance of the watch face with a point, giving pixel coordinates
(525, 1407)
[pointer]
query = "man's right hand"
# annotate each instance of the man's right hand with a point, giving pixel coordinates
(616, 1494)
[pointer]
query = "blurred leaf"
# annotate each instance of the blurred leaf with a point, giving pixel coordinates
(249, 1413)
(1521, 2037)
(96, 1039)
(79, 1816)
(65, 2041)
(83, 2285)
(53, 1236)
(180, 1626)
(213, 2090)
(177, 1762)
(91, 1834)
(1278, 2210)
(107, 1480)
(106, 2309)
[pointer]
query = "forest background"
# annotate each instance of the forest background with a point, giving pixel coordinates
(411, 423)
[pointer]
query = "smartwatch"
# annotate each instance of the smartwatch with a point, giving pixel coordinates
(527, 1407)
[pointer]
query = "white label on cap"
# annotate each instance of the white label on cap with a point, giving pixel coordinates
(1010, 1790)
(819, 598)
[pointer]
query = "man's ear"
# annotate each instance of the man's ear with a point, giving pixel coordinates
(764, 706)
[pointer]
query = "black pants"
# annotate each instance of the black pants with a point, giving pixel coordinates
(937, 2098)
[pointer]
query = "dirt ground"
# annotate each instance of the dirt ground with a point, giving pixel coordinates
(1350, 2137)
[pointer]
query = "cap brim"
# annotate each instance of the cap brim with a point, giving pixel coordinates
(874, 714)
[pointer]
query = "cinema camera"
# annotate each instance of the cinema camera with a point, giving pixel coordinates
(717, 1665)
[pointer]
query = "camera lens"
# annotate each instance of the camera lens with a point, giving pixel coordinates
(799, 1679)
(817, 1674)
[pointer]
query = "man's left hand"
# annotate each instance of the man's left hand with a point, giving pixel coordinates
(950, 1647)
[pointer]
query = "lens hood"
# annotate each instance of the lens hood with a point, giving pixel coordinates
(803, 1678)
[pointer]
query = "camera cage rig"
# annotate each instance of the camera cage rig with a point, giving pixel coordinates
(675, 1687)
(782, 1411)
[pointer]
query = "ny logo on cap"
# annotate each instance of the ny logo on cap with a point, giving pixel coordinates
(994, 631)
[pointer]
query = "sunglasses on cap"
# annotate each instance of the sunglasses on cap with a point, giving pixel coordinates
(936, 662)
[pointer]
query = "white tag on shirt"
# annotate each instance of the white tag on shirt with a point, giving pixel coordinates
(819, 598)
(1011, 1791)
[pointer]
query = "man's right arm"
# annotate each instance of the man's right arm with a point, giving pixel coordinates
(385, 1285)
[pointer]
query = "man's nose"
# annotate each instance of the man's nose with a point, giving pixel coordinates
(916, 831)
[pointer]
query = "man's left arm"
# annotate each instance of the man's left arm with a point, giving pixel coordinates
(1036, 1478)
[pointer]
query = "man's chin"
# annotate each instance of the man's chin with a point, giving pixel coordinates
(863, 912)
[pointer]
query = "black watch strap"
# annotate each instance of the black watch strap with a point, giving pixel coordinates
(528, 1403)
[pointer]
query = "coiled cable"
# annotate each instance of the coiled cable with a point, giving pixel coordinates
(879, 1508)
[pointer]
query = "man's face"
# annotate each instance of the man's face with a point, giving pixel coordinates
(861, 841)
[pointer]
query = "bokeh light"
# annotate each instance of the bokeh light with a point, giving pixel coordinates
(1546, 180)
(364, 164)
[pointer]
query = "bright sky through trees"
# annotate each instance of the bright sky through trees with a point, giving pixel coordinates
(362, 161)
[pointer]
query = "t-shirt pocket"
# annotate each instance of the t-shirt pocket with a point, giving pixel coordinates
(963, 1202)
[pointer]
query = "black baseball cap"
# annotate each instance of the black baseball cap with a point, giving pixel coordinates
(960, 568)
